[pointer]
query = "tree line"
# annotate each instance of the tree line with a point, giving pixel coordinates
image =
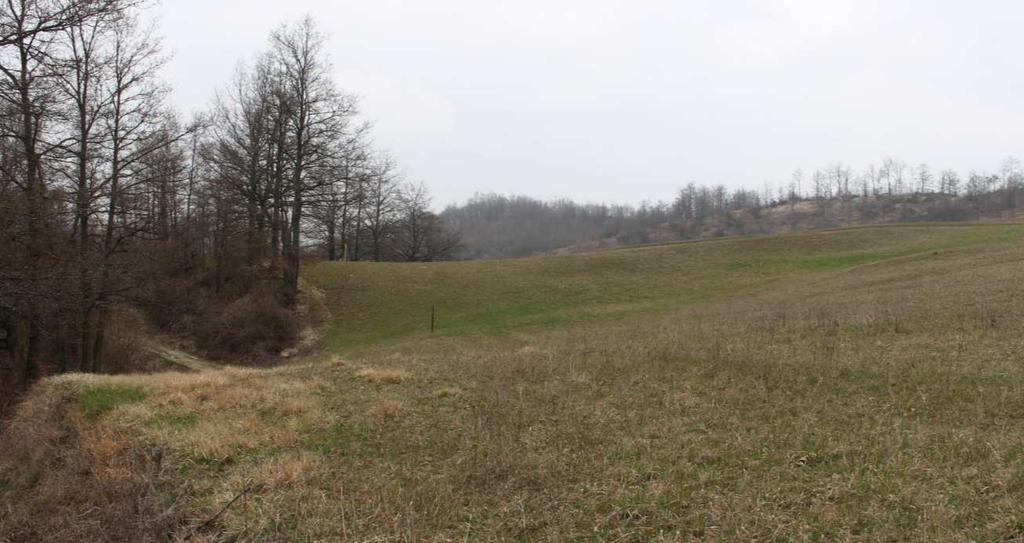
(108, 200)
(497, 226)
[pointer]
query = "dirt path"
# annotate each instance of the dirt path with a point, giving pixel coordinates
(179, 357)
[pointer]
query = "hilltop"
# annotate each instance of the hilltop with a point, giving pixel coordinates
(858, 383)
(494, 226)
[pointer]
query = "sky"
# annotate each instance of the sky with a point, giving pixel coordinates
(625, 101)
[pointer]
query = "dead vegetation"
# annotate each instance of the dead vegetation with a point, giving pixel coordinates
(72, 481)
(253, 325)
(377, 375)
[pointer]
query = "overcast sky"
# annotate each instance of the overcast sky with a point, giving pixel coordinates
(620, 101)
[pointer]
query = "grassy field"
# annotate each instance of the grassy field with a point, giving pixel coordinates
(391, 302)
(861, 384)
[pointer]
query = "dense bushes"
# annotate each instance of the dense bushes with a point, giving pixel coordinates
(254, 325)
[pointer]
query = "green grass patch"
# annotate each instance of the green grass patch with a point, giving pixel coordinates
(342, 437)
(98, 401)
(201, 463)
(168, 497)
(175, 421)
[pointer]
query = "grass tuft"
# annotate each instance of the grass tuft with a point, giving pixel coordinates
(340, 438)
(385, 376)
(386, 409)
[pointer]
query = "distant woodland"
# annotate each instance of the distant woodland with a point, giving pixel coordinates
(496, 226)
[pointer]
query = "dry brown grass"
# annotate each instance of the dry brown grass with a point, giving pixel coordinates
(882, 403)
(379, 375)
(386, 409)
(86, 483)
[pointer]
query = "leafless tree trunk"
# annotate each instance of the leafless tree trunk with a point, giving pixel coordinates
(317, 122)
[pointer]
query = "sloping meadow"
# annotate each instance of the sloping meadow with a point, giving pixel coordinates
(876, 399)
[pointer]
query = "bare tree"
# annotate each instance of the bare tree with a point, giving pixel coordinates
(135, 119)
(949, 182)
(924, 179)
(318, 116)
(243, 133)
(381, 196)
(84, 66)
(30, 32)
(420, 235)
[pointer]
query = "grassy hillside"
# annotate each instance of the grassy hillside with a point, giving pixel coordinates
(389, 302)
(861, 384)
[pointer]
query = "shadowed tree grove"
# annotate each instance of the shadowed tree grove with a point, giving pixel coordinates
(111, 205)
